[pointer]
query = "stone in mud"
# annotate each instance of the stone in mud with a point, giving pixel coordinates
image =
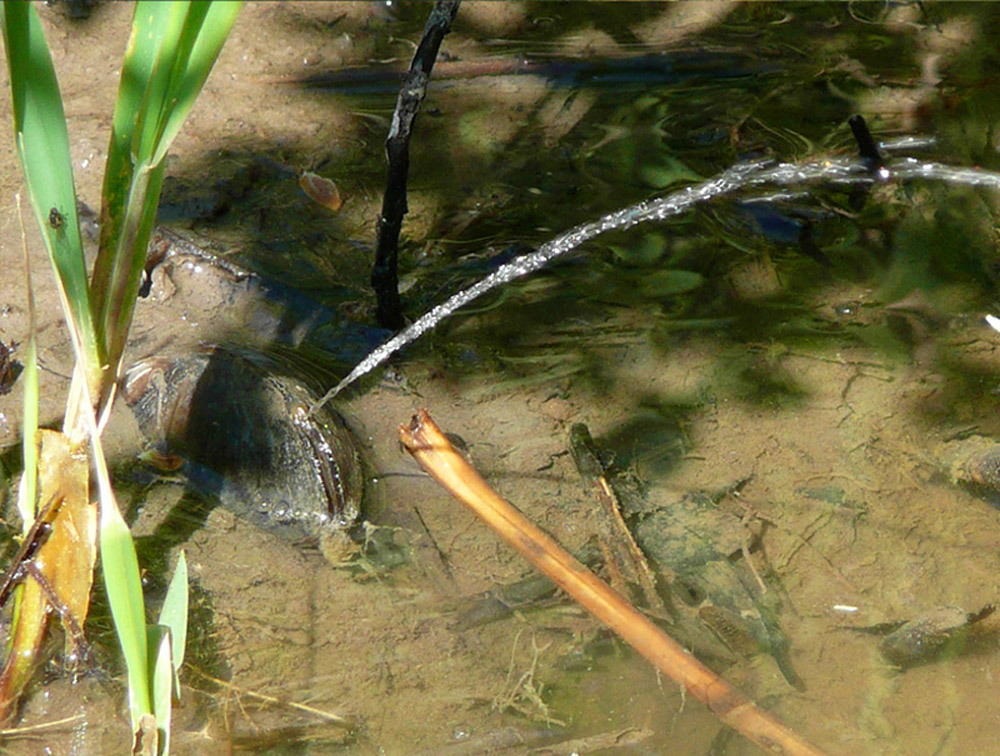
(928, 637)
(245, 436)
(974, 463)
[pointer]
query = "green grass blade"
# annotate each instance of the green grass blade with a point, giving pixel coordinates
(170, 54)
(122, 582)
(174, 615)
(27, 501)
(162, 675)
(163, 104)
(131, 190)
(122, 256)
(118, 173)
(201, 42)
(43, 147)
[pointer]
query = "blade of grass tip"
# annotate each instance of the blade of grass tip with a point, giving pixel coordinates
(131, 185)
(27, 501)
(202, 39)
(171, 52)
(174, 615)
(43, 148)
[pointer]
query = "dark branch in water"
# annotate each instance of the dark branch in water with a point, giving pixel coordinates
(23, 566)
(385, 279)
(30, 544)
(870, 154)
(866, 143)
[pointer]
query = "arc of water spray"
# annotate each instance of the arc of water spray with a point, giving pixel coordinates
(743, 175)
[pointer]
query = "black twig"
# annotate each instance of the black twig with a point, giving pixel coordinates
(24, 566)
(866, 143)
(385, 278)
(70, 624)
(37, 534)
(870, 153)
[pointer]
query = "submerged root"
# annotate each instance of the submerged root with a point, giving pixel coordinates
(525, 694)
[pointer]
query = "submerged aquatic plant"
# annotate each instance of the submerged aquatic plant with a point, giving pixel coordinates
(171, 50)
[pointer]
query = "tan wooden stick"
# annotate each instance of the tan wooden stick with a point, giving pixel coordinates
(429, 446)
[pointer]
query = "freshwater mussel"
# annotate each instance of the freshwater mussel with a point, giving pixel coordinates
(242, 432)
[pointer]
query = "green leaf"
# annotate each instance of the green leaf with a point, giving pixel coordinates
(124, 588)
(162, 675)
(171, 51)
(43, 148)
(27, 501)
(174, 615)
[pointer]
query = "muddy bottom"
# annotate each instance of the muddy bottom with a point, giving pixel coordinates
(862, 526)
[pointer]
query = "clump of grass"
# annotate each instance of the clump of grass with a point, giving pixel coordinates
(171, 50)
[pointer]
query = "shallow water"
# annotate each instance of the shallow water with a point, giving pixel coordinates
(831, 369)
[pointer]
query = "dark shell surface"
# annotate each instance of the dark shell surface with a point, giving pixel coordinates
(247, 437)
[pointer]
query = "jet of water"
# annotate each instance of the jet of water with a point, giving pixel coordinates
(741, 176)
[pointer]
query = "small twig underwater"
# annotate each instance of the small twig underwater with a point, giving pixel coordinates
(429, 446)
(874, 159)
(32, 542)
(327, 716)
(866, 143)
(30, 730)
(385, 280)
(24, 566)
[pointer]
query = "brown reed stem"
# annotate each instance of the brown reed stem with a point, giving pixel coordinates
(432, 450)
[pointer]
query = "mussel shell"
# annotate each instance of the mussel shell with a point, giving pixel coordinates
(248, 438)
